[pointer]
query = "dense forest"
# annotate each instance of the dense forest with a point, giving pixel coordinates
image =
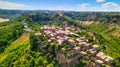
(12, 14)
(108, 17)
(17, 48)
(9, 33)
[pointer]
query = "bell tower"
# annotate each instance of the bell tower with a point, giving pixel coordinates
(64, 24)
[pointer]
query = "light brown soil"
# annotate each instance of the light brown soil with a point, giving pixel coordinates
(88, 22)
(3, 20)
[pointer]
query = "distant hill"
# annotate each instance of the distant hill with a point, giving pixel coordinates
(11, 14)
(108, 17)
(46, 15)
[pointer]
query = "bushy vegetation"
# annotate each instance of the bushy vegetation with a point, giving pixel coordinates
(87, 36)
(100, 31)
(20, 54)
(108, 43)
(108, 17)
(73, 37)
(9, 33)
(37, 52)
(11, 14)
(46, 49)
(82, 63)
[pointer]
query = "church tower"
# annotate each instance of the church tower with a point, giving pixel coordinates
(64, 24)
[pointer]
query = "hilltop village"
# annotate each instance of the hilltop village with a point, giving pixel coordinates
(80, 46)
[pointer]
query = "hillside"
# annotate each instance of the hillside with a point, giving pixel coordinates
(8, 33)
(106, 33)
(22, 49)
(13, 52)
(108, 38)
(11, 14)
(20, 54)
(108, 17)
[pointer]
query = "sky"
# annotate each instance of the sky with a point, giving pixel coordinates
(67, 5)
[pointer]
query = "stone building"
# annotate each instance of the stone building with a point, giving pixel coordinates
(98, 63)
(96, 47)
(71, 42)
(80, 45)
(64, 26)
(109, 60)
(38, 34)
(93, 52)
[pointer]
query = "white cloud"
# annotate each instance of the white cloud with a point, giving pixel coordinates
(107, 7)
(84, 5)
(100, 0)
(11, 5)
(110, 5)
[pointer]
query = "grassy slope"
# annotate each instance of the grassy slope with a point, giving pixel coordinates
(14, 51)
(109, 44)
(109, 39)
(19, 54)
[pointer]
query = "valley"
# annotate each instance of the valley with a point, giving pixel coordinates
(60, 39)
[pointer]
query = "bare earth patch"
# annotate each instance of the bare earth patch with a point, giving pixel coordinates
(88, 22)
(3, 20)
(22, 39)
(117, 31)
